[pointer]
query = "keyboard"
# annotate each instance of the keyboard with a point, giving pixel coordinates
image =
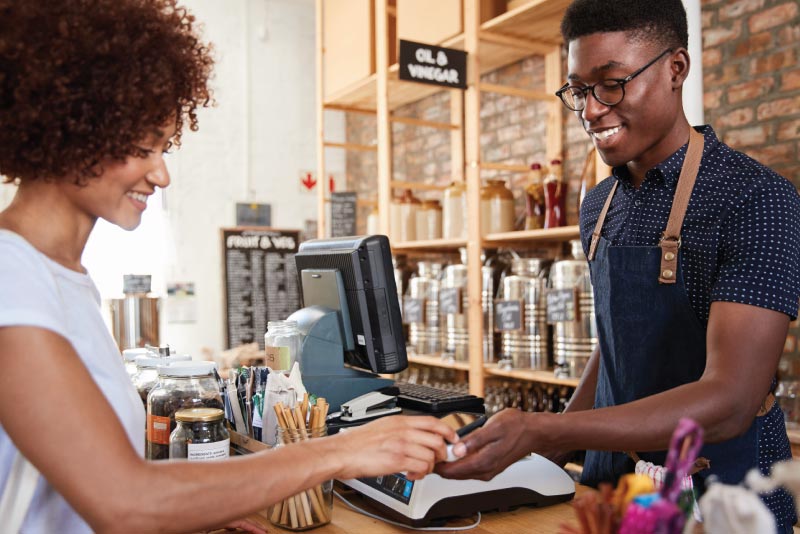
(434, 400)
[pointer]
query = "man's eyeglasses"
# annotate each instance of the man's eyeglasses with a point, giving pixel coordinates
(608, 92)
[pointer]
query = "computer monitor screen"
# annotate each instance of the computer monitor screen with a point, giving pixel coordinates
(365, 266)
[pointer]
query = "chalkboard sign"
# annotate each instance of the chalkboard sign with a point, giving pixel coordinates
(413, 310)
(450, 300)
(561, 305)
(343, 214)
(260, 281)
(433, 65)
(508, 315)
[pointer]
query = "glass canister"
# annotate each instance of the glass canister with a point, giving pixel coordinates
(497, 208)
(454, 211)
(146, 376)
(373, 221)
(282, 344)
(528, 348)
(181, 385)
(429, 220)
(310, 508)
(200, 435)
(425, 337)
(129, 357)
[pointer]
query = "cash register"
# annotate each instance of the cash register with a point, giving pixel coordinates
(354, 338)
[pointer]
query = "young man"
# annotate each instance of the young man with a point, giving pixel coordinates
(693, 302)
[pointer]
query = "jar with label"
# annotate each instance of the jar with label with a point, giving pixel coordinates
(200, 435)
(454, 211)
(310, 508)
(555, 196)
(282, 344)
(129, 357)
(534, 199)
(429, 220)
(497, 208)
(146, 376)
(181, 385)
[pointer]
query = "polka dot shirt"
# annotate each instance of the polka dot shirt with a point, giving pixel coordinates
(740, 236)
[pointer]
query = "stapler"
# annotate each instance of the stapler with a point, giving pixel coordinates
(369, 405)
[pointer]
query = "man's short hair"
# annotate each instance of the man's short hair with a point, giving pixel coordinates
(662, 22)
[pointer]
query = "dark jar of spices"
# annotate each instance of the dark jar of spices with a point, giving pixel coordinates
(146, 376)
(200, 435)
(181, 385)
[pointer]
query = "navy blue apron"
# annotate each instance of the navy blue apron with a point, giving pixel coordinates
(650, 341)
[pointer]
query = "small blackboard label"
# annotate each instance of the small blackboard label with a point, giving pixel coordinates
(343, 214)
(560, 305)
(413, 310)
(450, 301)
(135, 283)
(508, 315)
(433, 65)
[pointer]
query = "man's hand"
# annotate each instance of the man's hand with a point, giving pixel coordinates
(503, 440)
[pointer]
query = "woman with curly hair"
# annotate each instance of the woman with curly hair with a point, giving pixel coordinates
(92, 93)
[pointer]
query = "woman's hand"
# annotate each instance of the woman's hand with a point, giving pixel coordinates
(503, 440)
(410, 444)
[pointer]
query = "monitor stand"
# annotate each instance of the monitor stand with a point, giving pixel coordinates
(322, 359)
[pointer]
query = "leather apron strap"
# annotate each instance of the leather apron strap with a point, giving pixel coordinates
(670, 241)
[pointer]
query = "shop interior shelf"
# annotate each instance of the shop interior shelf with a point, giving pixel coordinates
(529, 28)
(545, 377)
(552, 234)
(437, 361)
(432, 244)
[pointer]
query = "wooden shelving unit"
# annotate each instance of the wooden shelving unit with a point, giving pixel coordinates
(529, 29)
(545, 377)
(437, 361)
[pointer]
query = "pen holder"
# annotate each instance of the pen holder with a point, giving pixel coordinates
(310, 508)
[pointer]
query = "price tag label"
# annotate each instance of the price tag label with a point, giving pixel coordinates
(561, 305)
(450, 301)
(508, 315)
(413, 310)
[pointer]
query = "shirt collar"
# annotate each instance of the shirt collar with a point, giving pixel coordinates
(668, 171)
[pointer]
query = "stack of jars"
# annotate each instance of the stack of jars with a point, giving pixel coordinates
(456, 335)
(425, 337)
(181, 386)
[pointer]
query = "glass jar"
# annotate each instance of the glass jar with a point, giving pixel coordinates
(129, 357)
(373, 221)
(200, 435)
(429, 220)
(146, 376)
(555, 196)
(408, 205)
(497, 208)
(181, 385)
(534, 199)
(310, 508)
(454, 210)
(282, 344)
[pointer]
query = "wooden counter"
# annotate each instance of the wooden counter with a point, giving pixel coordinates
(545, 520)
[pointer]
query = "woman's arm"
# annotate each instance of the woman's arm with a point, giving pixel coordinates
(64, 426)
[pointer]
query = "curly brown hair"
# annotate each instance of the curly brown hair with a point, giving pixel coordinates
(82, 81)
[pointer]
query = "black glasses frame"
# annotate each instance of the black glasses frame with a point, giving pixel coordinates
(619, 81)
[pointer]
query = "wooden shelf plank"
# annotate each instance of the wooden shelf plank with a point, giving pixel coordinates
(541, 18)
(432, 244)
(437, 361)
(564, 233)
(488, 165)
(401, 184)
(545, 377)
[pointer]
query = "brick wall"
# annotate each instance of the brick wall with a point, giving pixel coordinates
(512, 132)
(751, 50)
(751, 77)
